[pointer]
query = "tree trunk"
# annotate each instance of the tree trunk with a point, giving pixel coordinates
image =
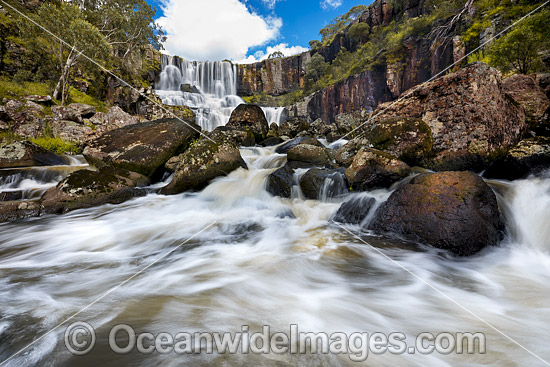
(62, 82)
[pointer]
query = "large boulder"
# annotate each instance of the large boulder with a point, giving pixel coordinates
(374, 169)
(528, 93)
(234, 136)
(455, 211)
(322, 183)
(143, 147)
(14, 210)
(355, 210)
(529, 157)
(27, 154)
(251, 118)
(292, 127)
(205, 160)
(280, 182)
(86, 189)
(83, 110)
(471, 117)
(115, 118)
(283, 149)
(66, 113)
(307, 155)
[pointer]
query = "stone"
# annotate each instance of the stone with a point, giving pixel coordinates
(66, 113)
(280, 182)
(27, 154)
(306, 155)
(322, 184)
(354, 210)
(16, 210)
(85, 111)
(250, 117)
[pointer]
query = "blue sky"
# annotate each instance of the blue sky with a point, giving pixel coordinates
(244, 30)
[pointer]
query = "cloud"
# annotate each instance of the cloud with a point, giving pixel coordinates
(270, 3)
(282, 47)
(215, 29)
(328, 4)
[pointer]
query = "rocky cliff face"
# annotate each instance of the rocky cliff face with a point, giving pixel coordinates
(418, 63)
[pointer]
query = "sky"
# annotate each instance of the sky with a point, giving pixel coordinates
(244, 31)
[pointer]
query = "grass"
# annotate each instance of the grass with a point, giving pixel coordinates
(10, 89)
(57, 145)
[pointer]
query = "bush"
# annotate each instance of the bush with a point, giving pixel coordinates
(57, 145)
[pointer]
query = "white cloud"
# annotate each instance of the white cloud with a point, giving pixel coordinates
(270, 3)
(214, 29)
(327, 4)
(282, 47)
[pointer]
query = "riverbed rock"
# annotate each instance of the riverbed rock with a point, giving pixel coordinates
(529, 157)
(374, 169)
(83, 110)
(143, 147)
(205, 160)
(283, 149)
(236, 137)
(320, 183)
(27, 154)
(14, 210)
(66, 113)
(472, 118)
(86, 189)
(307, 155)
(455, 211)
(292, 127)
(250, 117)
(525, 90)
(280, 182)
(354, 210)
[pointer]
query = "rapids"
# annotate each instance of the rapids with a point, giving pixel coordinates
(209, 88)
(268, 261)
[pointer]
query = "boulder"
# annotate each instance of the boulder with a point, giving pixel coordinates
(85, 111)
(354, 210)
(71, 131)
(115, 118)
(44, 100)
(292, 127)
(321, 184)
(27, 154)
(374, 169)
(529, 157)
(86, 189)
(269, 142)
(525, 90)
(14, 210)
(455, 211)
(143, 147)
(236, 137)
(283, 149)
(471, 117)
(66, 113)
(306, 155)
(251, 118)
(205, 160)
(280, 182)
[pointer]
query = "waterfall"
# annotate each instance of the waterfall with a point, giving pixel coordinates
(209, 88)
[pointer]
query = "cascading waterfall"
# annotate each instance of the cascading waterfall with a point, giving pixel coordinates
(209, 88)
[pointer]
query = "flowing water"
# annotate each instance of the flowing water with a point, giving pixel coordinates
(209, 88)
(268, 261)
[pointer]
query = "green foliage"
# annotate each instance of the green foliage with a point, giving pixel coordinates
(10, 89)
(315, 44)
(315, 68)
(340, 24)
(57, 145)
(276, 55)
(359, 32)
(76, 96)
(521, 50)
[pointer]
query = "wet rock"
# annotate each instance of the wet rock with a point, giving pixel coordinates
(85, 111)
(525, 90)
(143, 147)
(471, 117)
(250, 117)
(455, 211)
(233, 136)
(11, 195)
(86, 189)
(354, 210)
(14, 210)
(280, 182)
(269, 142)
(66, 113)
(320, 129)
(27, 154)
(306, 155)
(283, 149)
(374, 169)
(529, 157)
(205, 160)
(188, 88)
(292, 127)
(318, 184)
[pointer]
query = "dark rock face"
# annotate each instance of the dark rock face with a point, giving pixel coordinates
(525, 90)
(27, 154)
(143, 147)
(529, 157)
(86, 189)
(205, 160)
(280, 182)
(373, 169)
(354, 211)
(318, 184)
(471, 118)
(455, 211)
(250, 118)
(306, 155)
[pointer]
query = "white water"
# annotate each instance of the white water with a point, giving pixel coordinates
(259, 265)
(216, 84)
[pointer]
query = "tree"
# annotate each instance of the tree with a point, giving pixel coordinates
(315, 45)
(67, 22)
(523, 49)
(276, 55)
(359, 32)
(315, 68)
(339, 24)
